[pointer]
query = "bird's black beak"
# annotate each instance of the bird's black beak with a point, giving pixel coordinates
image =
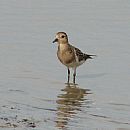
(56, 40)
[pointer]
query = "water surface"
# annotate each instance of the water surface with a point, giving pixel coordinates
(32, 81)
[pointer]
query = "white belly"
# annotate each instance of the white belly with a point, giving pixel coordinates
(75, 64)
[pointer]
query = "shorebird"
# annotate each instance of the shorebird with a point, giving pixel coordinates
(69, 55)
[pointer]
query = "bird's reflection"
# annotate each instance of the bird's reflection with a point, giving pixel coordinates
(69, 103)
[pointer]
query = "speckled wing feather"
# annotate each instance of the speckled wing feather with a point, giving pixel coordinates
(82, 56)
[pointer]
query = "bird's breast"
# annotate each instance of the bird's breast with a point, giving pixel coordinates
(66, 56)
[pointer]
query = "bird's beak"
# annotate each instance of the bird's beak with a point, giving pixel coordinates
(56, 40)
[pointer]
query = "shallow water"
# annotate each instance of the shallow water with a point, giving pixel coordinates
(32, 81)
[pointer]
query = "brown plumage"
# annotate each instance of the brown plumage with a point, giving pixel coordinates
(69, 55)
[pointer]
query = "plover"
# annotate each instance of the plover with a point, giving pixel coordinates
(69, 55)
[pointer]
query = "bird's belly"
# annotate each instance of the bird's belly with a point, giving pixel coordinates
(75, 64)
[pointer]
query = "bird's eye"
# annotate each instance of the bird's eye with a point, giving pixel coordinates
(62, 36)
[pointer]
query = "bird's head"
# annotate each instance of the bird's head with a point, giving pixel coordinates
(61, 38)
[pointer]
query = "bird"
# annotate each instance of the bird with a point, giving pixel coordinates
(69, 55)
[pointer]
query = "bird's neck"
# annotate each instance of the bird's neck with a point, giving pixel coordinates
(63, 47)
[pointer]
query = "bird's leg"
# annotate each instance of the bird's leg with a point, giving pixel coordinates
(68, 75)
(74, 75)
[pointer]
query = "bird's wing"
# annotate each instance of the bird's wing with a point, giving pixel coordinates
(78, 53)
(81, 56)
